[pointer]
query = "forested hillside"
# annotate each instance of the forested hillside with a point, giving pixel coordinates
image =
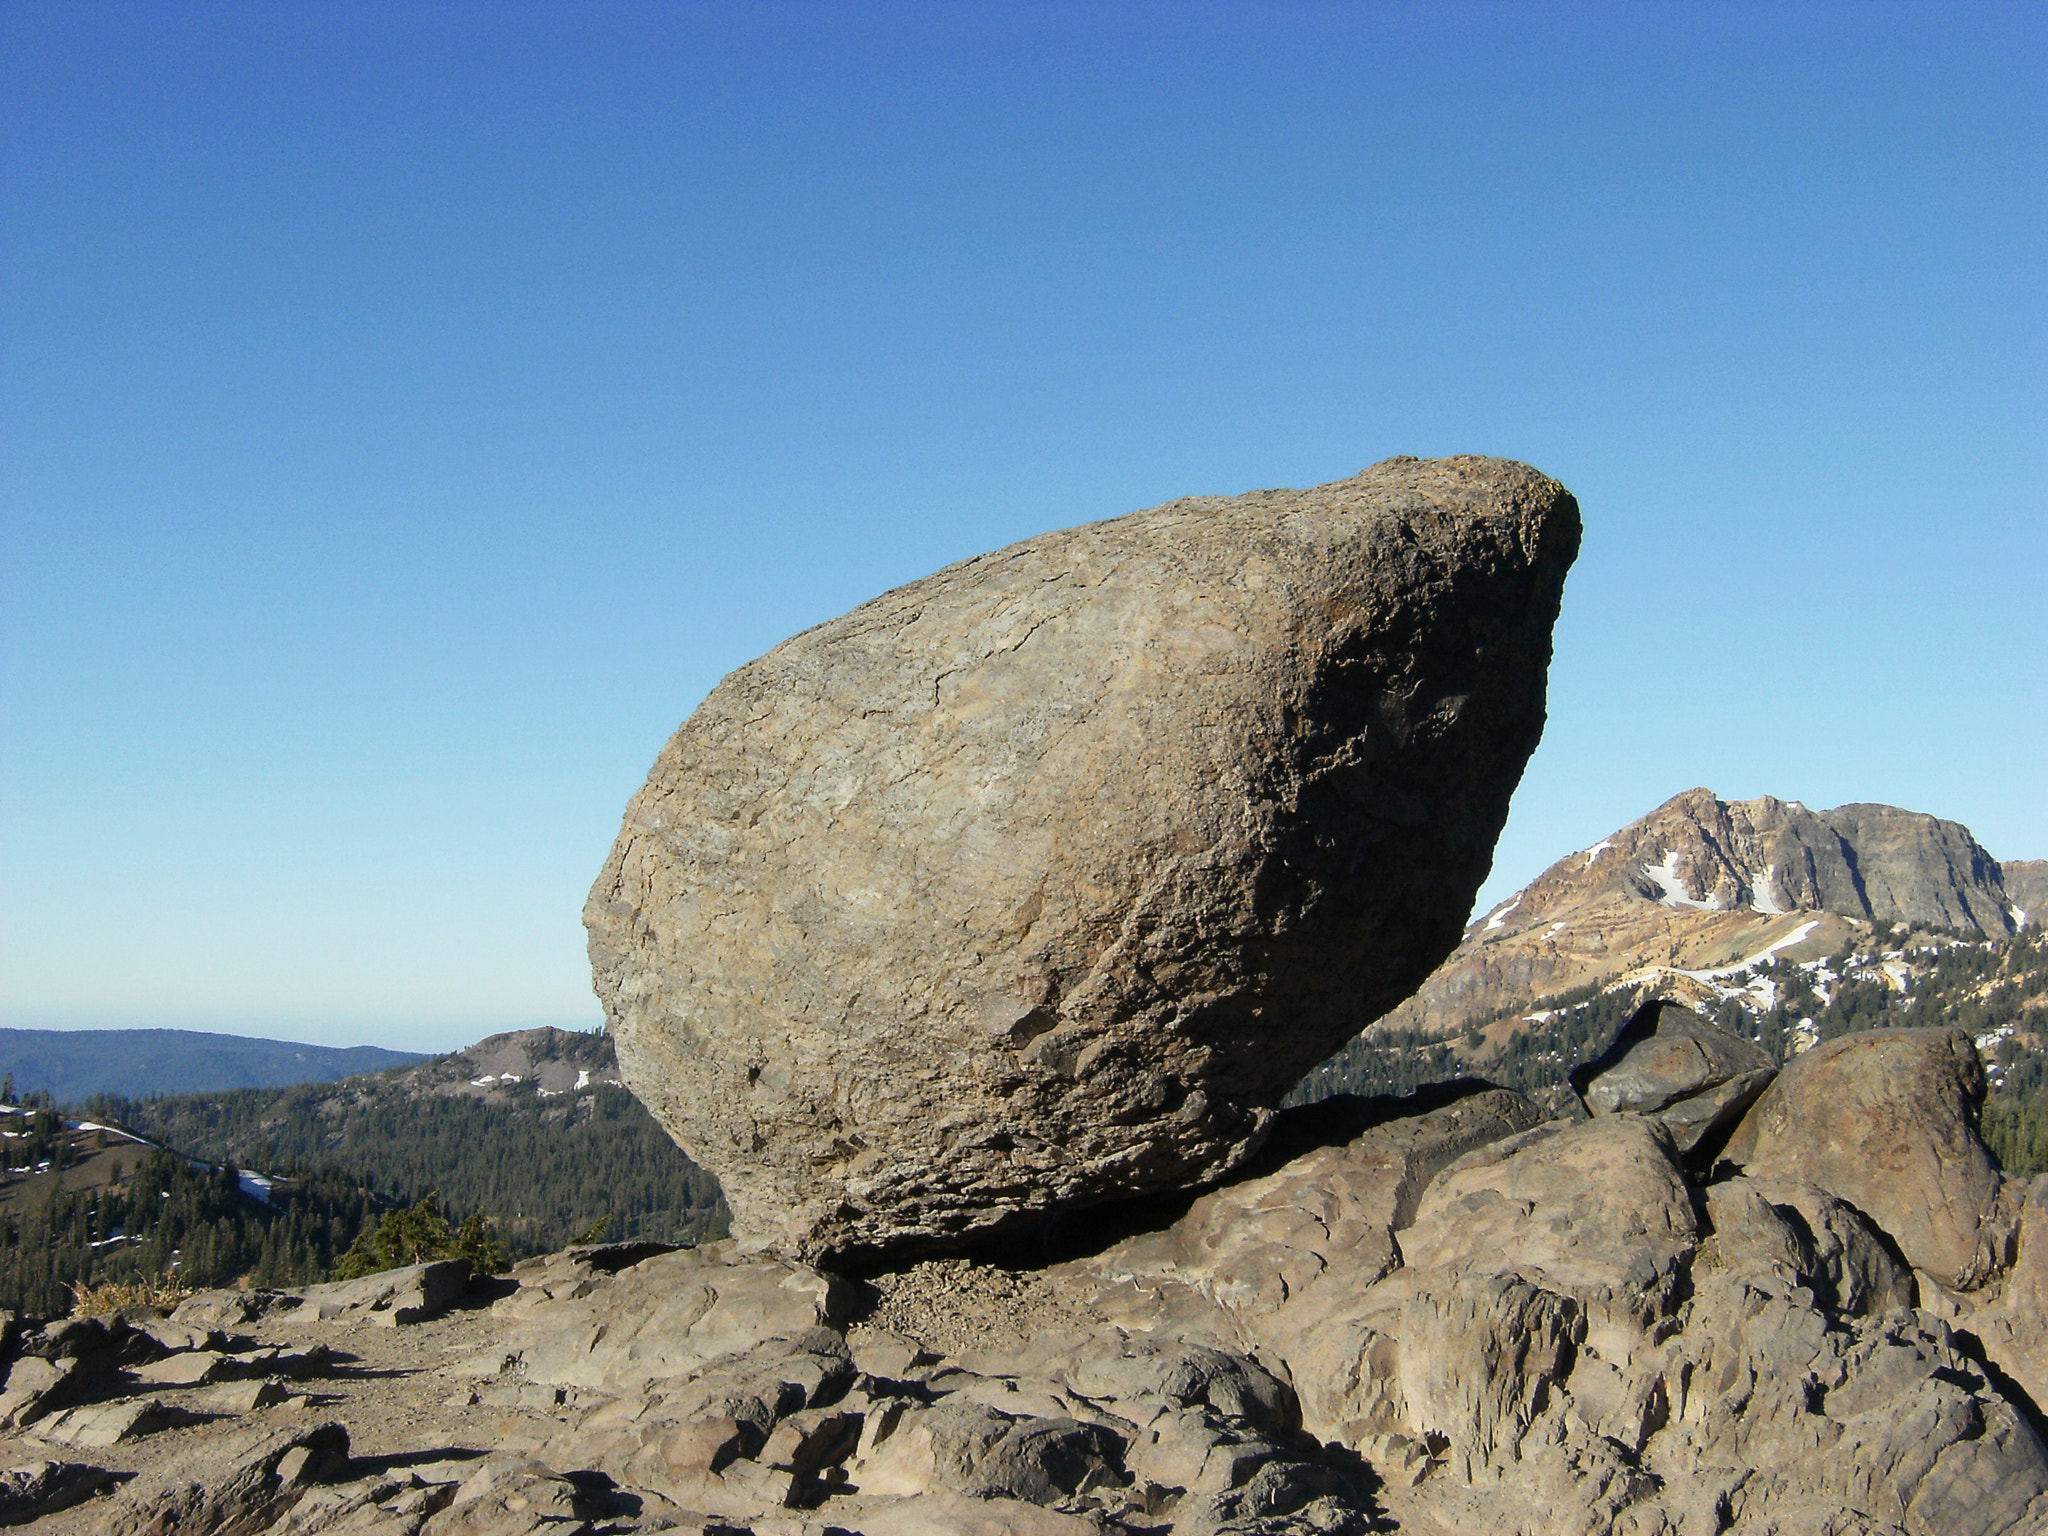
(545, 1163)
(147, 1213)
(1885, 977)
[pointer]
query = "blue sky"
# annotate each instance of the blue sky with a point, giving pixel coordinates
(408, 412)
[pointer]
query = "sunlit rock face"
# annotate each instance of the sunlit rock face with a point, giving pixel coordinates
(1038, 882)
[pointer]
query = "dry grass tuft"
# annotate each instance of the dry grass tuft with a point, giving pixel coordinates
(163, 1292)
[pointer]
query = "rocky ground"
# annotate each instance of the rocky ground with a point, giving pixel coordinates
(1444, 1315)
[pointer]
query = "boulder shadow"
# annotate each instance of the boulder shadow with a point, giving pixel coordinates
(1038, 1240)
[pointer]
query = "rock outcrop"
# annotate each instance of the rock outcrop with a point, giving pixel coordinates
(2026, 887)
(1669, 1062)
(1435, 1314)
(1887, 1121)
(1040, 881)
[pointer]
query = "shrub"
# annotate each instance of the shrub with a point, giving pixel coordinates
(419, 1234)
(163, 1292)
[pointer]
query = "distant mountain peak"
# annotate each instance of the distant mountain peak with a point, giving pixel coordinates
(1703, 883)
(1772, 857)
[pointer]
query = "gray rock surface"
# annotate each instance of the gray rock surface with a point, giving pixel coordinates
(1039, 881)
(1921, 869)
(1437, 1315)
(393, 1296)
(242, 1486)
(1886, 1120)
(1669, 1062)
(1799, 1235)
(43, 1487)
(209, 1312)
(99, 1425)
(661, 1319)
(35, 1387)
(1278, 1260)
(2026, 889)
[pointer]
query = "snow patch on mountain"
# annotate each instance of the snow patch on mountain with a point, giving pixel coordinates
(1672, 888)
(1761, 899)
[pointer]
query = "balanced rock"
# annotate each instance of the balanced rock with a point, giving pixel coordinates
(1039, 882)
(1887, 1120)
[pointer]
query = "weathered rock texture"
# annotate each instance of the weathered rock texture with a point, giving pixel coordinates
(1671, 1063)
(1037, 882)
(1432, 1315)
(1887, 1120)
(2026, 887)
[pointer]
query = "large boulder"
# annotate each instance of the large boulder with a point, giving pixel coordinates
(1887, 1120)
(1039, 881)
(1669, 1062)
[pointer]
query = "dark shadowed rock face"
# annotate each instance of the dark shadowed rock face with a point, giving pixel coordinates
(1037, 882)
(1671, 1063)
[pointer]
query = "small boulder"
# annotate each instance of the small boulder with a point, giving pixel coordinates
(666, 1317)
(889, 1356)
(1669, 1062)
(100, 1425)
(191, 1368)
(240, 1482)
(246, 1396)
(213, 1311)
(1139, 1375)
(175, 1337)
(44, 1487)
(1042, 1461)
(35, 1386)
(934, 1448)
(392, 1297)
(1887, 1120)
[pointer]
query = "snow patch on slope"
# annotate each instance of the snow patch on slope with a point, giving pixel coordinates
(1761, 899)
(1672, 888)
(1719, 972)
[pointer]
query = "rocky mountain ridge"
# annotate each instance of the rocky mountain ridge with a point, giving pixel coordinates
(1702, 889)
